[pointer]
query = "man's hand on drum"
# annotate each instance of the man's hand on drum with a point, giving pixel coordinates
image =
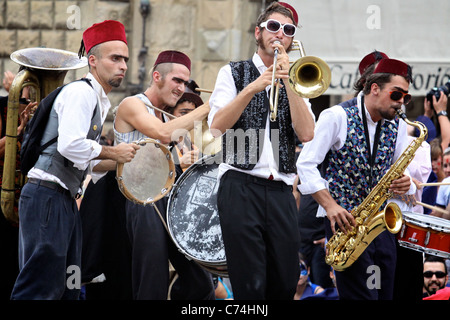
(188, 158)
(125, 152)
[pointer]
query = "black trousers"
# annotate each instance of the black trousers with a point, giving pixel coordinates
(408, 275)
(260, 234)
(9, 238)
(372, 275)
(50, 242)
(152, 248)
(106, 246)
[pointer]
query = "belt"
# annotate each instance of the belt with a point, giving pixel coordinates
(50, 185)
(265, 181)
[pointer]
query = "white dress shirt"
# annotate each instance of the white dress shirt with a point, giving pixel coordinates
(330, 134)
(75, 105)
(224, 92)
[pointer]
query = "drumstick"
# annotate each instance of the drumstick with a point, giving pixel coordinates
(434, 184)
(432, 207)
(162, 111)
(203, 90)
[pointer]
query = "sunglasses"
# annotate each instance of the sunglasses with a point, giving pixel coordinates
(438, 274)
(397, 95)
(274, 26)
(303, 270)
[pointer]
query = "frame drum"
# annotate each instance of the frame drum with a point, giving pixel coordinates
(425, 233)
(192, 216)
(149, 176)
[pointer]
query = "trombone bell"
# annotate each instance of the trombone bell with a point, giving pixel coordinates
(309, 77)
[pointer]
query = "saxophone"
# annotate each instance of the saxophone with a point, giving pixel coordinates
(344, 249)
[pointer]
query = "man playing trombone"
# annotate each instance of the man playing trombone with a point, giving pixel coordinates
(256, 207)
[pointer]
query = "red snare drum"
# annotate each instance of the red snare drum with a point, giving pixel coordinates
(425, 233)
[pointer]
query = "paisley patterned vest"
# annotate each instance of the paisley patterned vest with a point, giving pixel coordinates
(349, 171)
(243, 144)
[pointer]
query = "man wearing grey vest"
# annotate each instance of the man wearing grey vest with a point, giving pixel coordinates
(257, 210)
(50, 225)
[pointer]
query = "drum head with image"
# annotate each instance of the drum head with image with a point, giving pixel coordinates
(192, 214)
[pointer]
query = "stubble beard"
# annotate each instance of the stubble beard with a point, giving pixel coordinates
(115, 83)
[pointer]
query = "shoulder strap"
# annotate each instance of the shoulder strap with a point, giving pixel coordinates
(50, 142)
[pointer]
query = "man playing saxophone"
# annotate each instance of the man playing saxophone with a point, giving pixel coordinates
(355, 143)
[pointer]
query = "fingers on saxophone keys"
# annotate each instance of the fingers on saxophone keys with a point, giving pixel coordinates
(344, 223)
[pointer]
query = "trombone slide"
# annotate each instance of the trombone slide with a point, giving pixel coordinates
(275, 86)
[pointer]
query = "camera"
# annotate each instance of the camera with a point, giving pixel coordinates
(437, 92)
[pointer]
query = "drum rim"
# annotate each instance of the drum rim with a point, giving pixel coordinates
(416, 247)
(185, 175)
(409, 218)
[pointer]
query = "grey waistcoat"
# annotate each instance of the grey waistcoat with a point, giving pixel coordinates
(53, 162)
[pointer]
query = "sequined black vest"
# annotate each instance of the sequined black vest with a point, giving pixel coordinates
(242, 144)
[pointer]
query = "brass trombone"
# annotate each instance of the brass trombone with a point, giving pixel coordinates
(309, 77)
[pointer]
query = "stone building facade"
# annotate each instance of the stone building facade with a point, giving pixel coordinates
(211, 32)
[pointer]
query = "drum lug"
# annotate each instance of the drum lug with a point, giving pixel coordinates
(402, 232)
(185, 255)
(427, 238)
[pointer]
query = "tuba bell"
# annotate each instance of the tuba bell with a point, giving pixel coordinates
(43, 69)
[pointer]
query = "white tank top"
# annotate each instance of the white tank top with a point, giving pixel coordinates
(134, 135)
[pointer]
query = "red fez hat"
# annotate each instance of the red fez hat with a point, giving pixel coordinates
(172, 56)
(107, 30)
(292, 10)
(370, 59)
(393, 66)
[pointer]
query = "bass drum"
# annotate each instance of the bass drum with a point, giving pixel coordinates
(192, 216)
(425, 233)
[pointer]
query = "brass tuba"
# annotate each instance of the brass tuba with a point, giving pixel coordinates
(44, 69)
(344, 249)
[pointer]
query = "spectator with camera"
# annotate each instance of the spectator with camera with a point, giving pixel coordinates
(435, 103)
